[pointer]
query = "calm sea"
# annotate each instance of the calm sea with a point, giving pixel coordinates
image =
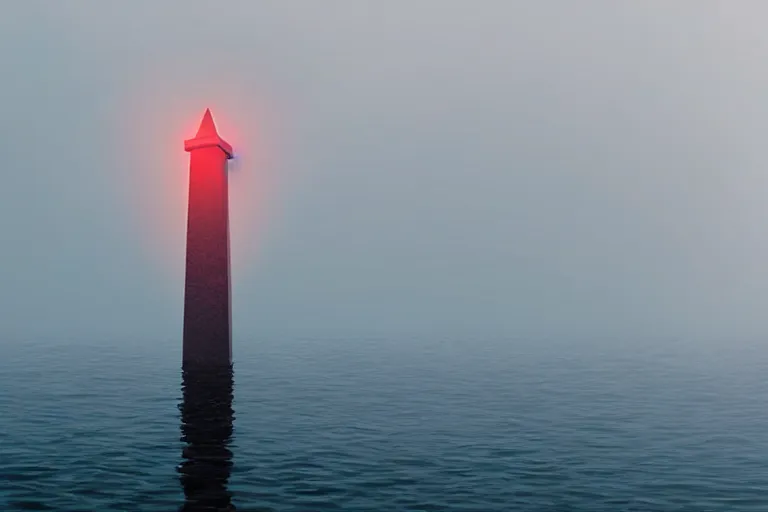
(386, 425)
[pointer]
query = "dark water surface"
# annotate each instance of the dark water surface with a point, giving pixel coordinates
(386, 426)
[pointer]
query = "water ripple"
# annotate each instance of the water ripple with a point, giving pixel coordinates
(369, 425)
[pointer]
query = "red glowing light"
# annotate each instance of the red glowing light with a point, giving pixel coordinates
(207, 136)
(149, 122)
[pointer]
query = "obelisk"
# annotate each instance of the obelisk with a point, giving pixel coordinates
(207, 287)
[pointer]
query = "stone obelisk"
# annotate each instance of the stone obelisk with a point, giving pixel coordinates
(207, 288)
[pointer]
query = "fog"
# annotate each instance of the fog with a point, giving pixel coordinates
(495, 169)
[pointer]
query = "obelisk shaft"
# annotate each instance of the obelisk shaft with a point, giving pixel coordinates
(207, 291)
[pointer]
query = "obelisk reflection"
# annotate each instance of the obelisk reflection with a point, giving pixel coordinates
(206, 428)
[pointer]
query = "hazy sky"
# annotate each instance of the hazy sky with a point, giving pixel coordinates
(407, 168)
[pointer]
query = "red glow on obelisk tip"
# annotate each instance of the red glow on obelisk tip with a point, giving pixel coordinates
(155, 114)
(207, 136)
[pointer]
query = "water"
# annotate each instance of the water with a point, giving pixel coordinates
(378, 425)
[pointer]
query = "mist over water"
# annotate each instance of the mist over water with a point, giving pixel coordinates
(496, 170)
(376, 424)
(487, 256)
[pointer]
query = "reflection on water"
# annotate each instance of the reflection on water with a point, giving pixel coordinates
(401, 425)
(206, 428)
